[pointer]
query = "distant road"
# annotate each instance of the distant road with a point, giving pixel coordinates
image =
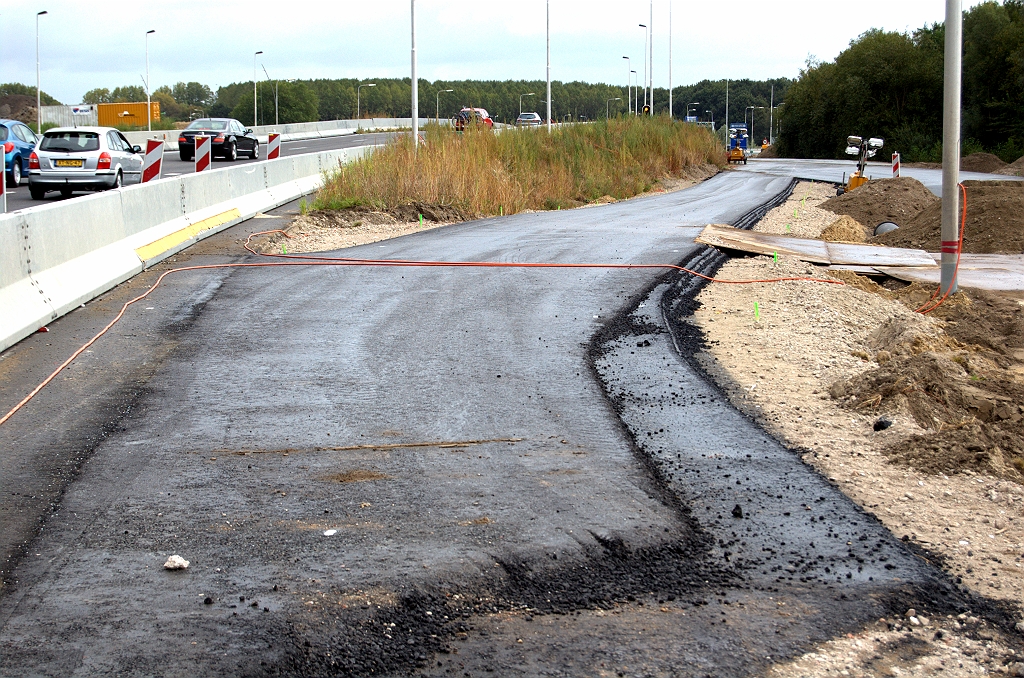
(18, 198)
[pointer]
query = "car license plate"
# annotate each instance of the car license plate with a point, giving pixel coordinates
(68, 163)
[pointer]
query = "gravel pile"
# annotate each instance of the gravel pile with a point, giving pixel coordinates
(897, 200)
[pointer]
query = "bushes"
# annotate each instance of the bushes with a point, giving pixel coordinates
(483, 173)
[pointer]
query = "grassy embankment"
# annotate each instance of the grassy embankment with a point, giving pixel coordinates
(481, 173)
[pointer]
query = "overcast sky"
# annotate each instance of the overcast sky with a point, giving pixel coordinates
(102, 44)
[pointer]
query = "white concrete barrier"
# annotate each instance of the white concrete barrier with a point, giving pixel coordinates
(55, 257)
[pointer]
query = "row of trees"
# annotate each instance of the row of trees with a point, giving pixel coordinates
(890, 85)
(309, 100)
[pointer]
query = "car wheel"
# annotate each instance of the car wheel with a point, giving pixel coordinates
(118, 180)
(184, 156)
(255, 155)
(36, 192)
(231, 153)
(15, 180)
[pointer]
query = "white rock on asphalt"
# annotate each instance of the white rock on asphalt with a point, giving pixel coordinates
(176, 563)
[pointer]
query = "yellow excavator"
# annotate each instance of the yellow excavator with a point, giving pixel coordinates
(865, 149)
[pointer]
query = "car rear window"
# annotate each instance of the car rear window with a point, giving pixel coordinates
(71, 142)
(206, 123)
(3, 133)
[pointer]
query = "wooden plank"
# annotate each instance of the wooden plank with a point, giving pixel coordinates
(726, 237)
(986, 278)
(873, 255)
(863, 270)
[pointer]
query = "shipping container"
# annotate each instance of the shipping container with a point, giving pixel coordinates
(130, 115)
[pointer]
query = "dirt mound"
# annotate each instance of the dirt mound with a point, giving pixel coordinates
(768, 152)
(362, 214)
(844, 229)
(898, 200)
(959, 378)
(18, 107)
(1014, 169)
(981, 162)
(995, 221)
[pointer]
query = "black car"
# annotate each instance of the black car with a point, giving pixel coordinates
(229, 139)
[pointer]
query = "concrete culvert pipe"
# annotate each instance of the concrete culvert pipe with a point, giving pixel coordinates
(885, 227)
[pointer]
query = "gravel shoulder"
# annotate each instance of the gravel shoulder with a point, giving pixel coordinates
(778, 365)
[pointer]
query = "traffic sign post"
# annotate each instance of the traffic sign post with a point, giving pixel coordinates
(152, 166)
(203, 147)
(895, 165)
(273, 146)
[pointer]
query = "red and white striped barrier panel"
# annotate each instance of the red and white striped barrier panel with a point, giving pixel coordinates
(203, 147)
(3, 189)
(273, 146)
(152, 166)
(895, 165)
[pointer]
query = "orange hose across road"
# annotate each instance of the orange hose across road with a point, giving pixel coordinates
(312, 260)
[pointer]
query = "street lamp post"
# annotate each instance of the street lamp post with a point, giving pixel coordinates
(644, 26)
(415, 103)
(636, 93)
(629, 84)
(437, 105)
(712, 114)
(671, 114)
(39, 111)
(692, 103)
(149, 105)
(548, 109)
(606, 114)
(255, 117)
(359, 92)
(528, 94)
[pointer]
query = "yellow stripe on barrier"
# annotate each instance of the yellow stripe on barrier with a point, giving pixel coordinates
(158, 247)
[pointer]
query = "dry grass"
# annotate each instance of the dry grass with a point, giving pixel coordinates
(482, 173)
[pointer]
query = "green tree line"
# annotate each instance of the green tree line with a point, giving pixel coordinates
(890, 85)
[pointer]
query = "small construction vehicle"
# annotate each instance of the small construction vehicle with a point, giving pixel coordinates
(865, 149)
(738, 143)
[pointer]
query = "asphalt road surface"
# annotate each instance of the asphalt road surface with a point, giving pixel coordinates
(19, 198)
(444, 471)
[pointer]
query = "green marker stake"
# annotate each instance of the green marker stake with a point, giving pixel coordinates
(776, 257)
(284, 250)
(794, 213)
(787, 227)
(421, 220)
(757, 312)
(501, 210)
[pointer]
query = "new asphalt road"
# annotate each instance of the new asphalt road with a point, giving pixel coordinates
(19, 198)
(446, 471)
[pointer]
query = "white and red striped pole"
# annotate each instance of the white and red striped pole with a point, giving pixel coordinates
(152, 166)
(895, 165)
(203, 148)
(3, 189)
(273, 146)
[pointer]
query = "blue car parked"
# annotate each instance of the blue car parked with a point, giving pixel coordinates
(18, 141)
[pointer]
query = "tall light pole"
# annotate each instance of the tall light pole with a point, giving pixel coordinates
(636, 93)
(951, 147)
(255, 118)
(692, 103)
(670, 113)
(548, 102)
(606, 115)
(650, 73)
(39, 111)
(149, 105)
(437, 104)
(629, 84)
(751, 109)
(415, 80)
(528, 94)
(771, 116)
(712, 114)
(644, 26)
(359, 89)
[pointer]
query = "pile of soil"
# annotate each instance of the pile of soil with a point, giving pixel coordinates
(363, 214)
(1014, 169)
(961, 382)
(844, 229)
(995, 221)
(897, 200)
(768, 152)
(981, 162)
(18, 107)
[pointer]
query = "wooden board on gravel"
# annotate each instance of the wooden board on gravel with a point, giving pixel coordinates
(998, 273)
(811, 250)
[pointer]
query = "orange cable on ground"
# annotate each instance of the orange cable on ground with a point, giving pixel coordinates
(308, 260)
